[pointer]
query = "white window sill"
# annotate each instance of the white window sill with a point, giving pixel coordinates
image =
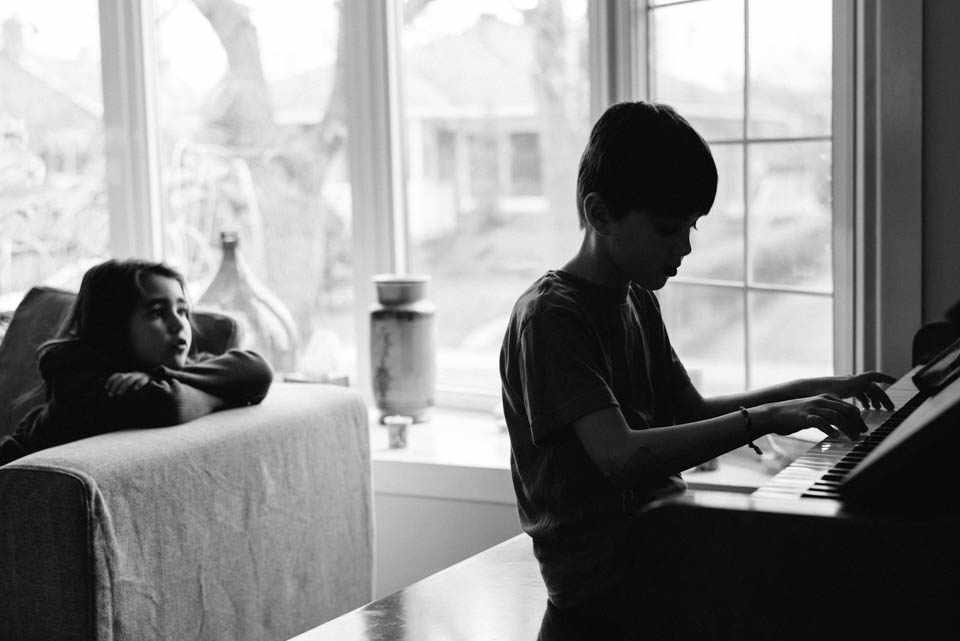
(464, 455)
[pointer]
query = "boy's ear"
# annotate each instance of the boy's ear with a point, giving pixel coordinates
(597, 213)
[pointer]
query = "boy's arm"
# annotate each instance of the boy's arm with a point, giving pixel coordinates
(632, 457)
(864, 387)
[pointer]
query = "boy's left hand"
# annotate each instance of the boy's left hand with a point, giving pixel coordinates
(864, 387)
(122, 382)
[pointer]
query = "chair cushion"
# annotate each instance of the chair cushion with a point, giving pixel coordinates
(37, 319)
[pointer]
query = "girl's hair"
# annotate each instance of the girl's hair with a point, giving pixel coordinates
(109, 293)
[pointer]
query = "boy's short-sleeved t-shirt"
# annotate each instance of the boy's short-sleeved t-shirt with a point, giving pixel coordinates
(571, 348)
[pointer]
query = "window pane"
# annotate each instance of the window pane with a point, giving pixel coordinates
(253, 138)
(706, 328)
(790, 68)
(791, 336)
(53, 211)
(525, 165)
(718, 242)
(697, 64)
(790, 236)
(495, 101)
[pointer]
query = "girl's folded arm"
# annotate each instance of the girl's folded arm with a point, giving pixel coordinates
(170, 398)
(160, 403)
(239, 377)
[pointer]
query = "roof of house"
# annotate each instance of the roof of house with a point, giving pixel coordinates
(434, 83)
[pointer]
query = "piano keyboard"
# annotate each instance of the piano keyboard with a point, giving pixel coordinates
(819, 472)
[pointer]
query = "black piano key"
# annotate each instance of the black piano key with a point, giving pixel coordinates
(833, 476)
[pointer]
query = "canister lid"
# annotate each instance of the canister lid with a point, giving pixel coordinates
(394, 289)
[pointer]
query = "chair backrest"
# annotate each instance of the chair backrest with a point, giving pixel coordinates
(37, 319)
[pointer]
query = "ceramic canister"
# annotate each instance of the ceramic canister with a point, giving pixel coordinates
(403, 346)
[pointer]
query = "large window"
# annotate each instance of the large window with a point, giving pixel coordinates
(495, 100)
(249, 107)
(53, 210)
(753, 304)
(251, 140)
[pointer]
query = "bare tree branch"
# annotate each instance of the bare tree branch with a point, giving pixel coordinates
(242, 108)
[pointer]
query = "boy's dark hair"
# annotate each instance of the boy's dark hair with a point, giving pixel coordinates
(109, 293)
(645, 155)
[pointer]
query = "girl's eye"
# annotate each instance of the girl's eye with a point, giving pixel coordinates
(156, 312)
(184, 311)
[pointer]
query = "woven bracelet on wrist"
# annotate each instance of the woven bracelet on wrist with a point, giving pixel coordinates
(747, 426)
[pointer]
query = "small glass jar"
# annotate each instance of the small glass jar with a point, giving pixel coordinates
(397, 430)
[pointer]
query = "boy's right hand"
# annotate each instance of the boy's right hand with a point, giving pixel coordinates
(122, 382)
(826, 412)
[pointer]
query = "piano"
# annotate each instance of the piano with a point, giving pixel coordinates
(821, 470)
(853, 540)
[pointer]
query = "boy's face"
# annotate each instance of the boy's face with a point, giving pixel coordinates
(160, 331)
(648, 249)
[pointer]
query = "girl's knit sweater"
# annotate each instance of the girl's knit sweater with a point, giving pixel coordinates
(78, 406)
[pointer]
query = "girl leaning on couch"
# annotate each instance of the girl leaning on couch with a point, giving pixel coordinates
(123, 361)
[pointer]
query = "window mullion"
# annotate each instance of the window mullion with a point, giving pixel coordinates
(617, 52)
(842, 186)
(374, 121)
(375, 151)
(129, 117)
(747, 352)
(599, 55)
(889, 131)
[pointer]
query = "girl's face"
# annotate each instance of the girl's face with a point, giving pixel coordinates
(160, 331)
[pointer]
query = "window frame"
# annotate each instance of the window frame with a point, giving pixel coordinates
(877, 250)
(127, 50)
(842, 185)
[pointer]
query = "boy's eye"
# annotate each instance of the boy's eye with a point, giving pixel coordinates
(669, 230)
(672, 229)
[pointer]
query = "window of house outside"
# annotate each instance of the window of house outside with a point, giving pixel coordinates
(53, 211)
(495, 101)
(753, 304)
(252, 138)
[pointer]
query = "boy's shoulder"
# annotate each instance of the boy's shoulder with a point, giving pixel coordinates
(557, 287)
(558, 292)
(550, 290)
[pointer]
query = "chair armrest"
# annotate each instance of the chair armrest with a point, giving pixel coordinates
(251, 523)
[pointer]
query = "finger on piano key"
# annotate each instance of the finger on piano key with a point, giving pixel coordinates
(873, 418)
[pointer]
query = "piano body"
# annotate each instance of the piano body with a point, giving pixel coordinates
(857, 541)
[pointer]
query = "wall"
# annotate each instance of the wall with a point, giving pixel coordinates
(941, 156)
(418, 536)
(430, 516)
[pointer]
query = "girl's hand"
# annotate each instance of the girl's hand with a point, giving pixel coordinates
(122, 382)
(826, 412)
(864, 387)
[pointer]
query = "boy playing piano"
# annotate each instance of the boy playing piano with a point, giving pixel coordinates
(601, 413)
